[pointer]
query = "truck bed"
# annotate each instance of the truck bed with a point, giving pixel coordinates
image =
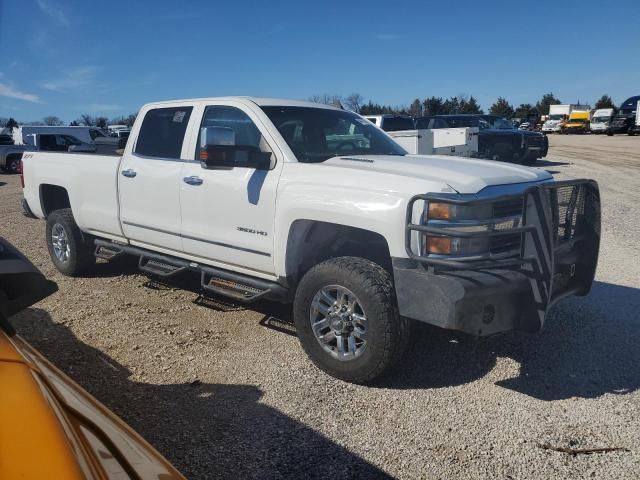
(90, 180)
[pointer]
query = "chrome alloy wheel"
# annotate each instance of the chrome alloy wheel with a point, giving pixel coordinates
(338, 322)
(60, 242)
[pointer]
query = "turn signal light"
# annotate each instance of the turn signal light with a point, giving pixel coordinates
(438, 245)
(439, 211)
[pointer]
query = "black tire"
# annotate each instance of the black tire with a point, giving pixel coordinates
(529, 159)
(80, 247)
(13, 164)
(631, 131)
(387, 335)
(609, 133)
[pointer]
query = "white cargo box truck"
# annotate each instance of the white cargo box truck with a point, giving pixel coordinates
(462, 142)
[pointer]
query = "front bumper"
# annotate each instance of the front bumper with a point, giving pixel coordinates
(483, 295)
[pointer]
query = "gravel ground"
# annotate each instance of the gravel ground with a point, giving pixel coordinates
(224, 391)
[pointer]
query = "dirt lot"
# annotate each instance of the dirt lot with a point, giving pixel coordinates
(222, 390)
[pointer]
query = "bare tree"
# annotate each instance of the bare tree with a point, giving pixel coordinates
(131, 119)
(354, 102)
(52, 121)
(87, 120)
(101, 122)
(326, 99)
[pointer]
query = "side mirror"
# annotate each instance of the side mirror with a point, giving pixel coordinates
(21, 284)
(218, 150)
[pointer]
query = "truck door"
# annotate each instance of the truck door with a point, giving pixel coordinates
(228, 215)
(149, 179)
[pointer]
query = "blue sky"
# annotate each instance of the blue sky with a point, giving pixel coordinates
(68, 57)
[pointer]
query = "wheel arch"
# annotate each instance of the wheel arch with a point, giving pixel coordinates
(310, 242)
(53, 197)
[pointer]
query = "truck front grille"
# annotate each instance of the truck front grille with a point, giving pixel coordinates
(567, 203)
(535, 141)
(506, 243)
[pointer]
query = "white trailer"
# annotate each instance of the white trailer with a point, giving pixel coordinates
(461, 142)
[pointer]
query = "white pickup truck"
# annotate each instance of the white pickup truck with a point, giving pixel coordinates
(298, 202)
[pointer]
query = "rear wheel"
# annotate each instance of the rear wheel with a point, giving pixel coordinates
(71, 251)
(631, 131)
(347, 321)
(13, 164)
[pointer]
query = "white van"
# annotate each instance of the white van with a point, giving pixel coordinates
(600, 120)
(95, 135)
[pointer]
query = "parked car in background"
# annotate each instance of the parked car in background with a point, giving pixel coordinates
(10, 156)
(45, 413)
(262, 200)
(625, 120)
(84, 134)
(578, 122)
(498, 138)
(59, 142)
(601, 119)
(524, 126)
(391, 123)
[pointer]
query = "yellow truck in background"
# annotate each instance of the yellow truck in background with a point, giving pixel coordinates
(578, 122)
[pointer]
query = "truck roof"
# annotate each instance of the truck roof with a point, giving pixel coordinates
(261, 101)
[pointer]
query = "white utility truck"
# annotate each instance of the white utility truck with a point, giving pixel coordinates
(298, 202)
(601, 119)
(461, 142)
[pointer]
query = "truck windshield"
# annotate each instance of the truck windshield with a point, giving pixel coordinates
(500, 123)
(577, 120)
(556, 117)
(599, 119)
(317, 134)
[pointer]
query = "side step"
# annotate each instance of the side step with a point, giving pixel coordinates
(236, 290)
(108, 252)
(239, 287)
(159, 267)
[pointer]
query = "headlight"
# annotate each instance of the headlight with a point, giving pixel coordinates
(464, 219)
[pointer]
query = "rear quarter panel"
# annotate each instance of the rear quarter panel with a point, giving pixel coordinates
(90, 181)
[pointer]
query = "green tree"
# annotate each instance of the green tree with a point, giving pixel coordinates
(502, 108)
(415, 109)
(433, 106)
(605, 101)
(542, 106)
(523, 110)
(469, 105)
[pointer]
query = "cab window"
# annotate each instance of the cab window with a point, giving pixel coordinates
(245, 131)
(162, 132)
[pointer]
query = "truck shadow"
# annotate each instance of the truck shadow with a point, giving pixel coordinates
(205, 430)
(588, 348)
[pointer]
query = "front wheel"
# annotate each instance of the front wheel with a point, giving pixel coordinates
(347, 321)
(71, 251)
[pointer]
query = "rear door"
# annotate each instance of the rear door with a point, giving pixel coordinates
(149, 179)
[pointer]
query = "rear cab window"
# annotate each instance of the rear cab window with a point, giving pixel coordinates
(162, 132)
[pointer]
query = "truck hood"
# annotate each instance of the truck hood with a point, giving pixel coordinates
(465, 175)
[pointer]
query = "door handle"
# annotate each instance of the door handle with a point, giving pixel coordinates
(129, 173)
(193, 180)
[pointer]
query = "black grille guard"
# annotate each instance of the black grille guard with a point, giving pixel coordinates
(560, 239)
